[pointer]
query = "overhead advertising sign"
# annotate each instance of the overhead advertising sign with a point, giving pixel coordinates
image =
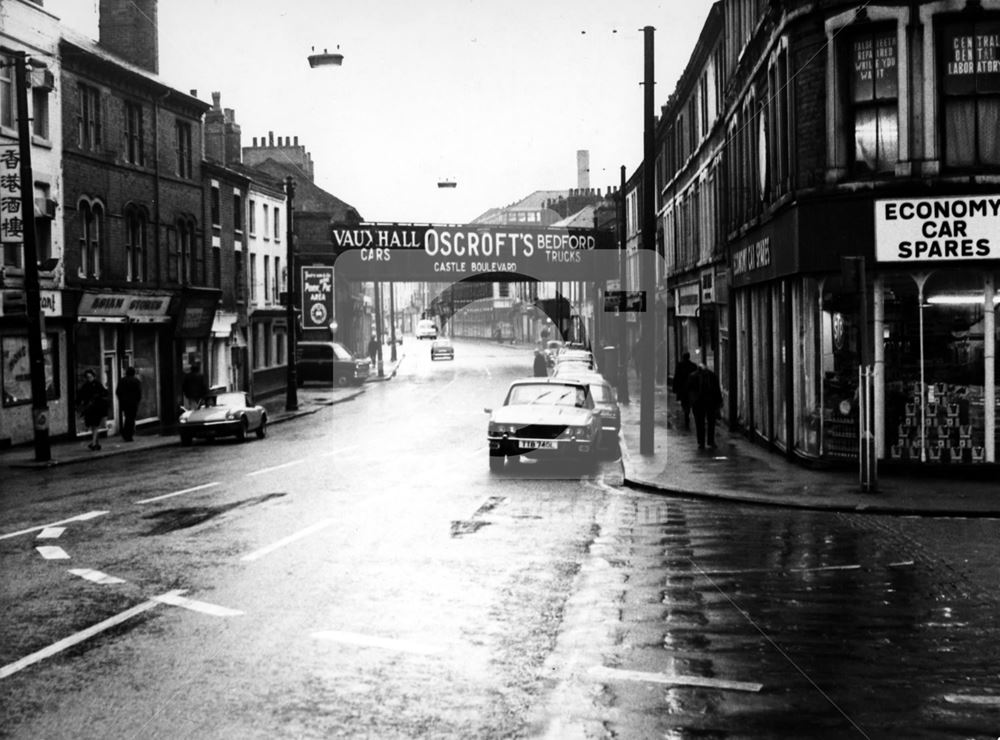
(455, 252)
(921, 230)
(317, 297)
(11, 220)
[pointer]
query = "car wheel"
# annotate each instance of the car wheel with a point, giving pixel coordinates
(186, 440)
(262, 429)
(241, 431)
(342, 381)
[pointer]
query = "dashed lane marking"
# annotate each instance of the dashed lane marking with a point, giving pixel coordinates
(602, 673)
(257, 554)
(51, 552)
(96, 576)
(80, 518)
(51, 533)
(68, 642)
(818, 569)
(276, 467)
(202, 487)
(988, 700)
(175, 599)
(338, 452)
(386, 643)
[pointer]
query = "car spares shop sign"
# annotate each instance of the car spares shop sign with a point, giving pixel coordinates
(432, 252)
(936, 229)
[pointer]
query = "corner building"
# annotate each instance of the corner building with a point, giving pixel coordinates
(833, 169)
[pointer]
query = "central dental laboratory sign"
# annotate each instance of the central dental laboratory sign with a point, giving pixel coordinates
(925, 230)
(449, 252)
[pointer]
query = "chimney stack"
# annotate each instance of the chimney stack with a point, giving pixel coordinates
(129, 29)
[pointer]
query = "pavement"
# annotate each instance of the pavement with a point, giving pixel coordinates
(737, 469)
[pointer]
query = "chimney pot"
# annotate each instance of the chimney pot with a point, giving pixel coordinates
(216, 99)
(270, 138)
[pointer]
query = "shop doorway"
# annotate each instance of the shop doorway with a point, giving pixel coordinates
(110, 381)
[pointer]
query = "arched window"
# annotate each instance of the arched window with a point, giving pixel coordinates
(91, 234)
(135, 244)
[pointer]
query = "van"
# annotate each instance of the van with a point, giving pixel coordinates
(329, 362)
(426, 329)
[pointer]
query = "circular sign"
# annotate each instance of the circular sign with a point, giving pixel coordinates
(41, 419)
(317, 312)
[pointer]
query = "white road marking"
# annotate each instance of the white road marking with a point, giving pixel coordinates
(818, 569)
(178, 493)
(338, 452)
(276, 467)
(257, 554)
(354, 638)
(68, 642)
(175, 599)
(477, 451)
(51, 533)
(602, 673)
(96, 576)
(51, 552)
(987, 700)
(80, 518)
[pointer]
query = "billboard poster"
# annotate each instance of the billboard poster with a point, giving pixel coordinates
(317, 297)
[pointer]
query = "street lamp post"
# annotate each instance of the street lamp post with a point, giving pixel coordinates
(292, 395)
(32, 288)
(392, 321)
(378, 328)
(647, 323)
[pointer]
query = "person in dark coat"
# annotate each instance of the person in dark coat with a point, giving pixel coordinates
(541, 364)
(92, 403)
(194, 387)
(705, 397)
(129, 393)
(682, 372)
(373, 349)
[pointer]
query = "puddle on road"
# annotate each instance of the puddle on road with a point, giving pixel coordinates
(186, 517)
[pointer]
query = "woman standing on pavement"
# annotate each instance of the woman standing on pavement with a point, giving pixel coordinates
(92, 403)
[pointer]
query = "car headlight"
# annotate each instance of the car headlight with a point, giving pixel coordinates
(230, 415)
(578, 431)
(183, 419)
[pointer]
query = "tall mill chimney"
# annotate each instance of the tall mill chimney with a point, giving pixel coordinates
(129, 29)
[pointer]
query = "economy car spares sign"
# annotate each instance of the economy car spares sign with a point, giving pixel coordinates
(937, 229)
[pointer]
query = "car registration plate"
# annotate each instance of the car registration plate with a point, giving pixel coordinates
(539, 444)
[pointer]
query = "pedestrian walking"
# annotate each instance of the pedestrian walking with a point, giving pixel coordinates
(705, 397)
(541, 364)
(92, 404)
(682, 371)
(129, 393)
(373, 349)
(194, 386)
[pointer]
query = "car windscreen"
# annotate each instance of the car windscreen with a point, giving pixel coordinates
(224, 399)
(548, 393)
(341, 353)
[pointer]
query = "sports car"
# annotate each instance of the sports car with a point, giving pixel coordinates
(543, 416)
(223, 414)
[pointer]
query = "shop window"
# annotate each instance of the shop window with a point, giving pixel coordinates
(16, 369)
(840, 356)
(970, 85)
(873, 97)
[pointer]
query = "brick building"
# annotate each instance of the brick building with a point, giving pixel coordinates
(827, 178)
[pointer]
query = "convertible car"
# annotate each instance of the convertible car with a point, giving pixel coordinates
(544, 417)
(223, 414)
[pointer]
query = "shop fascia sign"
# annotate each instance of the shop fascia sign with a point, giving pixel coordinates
(453, 252)
(124, 307)
(687, 299)
(921, 230)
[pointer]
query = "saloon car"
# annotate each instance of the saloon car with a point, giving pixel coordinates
(544, 417)
(223, 414)
(605, 401)
(442, 347)
(329, 362)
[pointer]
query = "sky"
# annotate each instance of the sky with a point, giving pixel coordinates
(497, 96)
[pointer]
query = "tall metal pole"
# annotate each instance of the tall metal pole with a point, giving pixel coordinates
(392, 321)
(32, 289)
(623, 396)
(291, 380)
(647, 264)
(378, 328)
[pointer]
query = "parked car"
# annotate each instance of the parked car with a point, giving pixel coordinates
(426, 329)
(330, 362)
(223, 414)
(543, 416)
(605, 399)
(576, 355)
(442, 347)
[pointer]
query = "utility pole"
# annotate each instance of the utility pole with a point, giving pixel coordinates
(378, 328)
(291, 379)
(623, 396)
(647, 272)
(32, 289)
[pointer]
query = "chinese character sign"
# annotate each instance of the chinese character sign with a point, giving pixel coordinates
(11, 218)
